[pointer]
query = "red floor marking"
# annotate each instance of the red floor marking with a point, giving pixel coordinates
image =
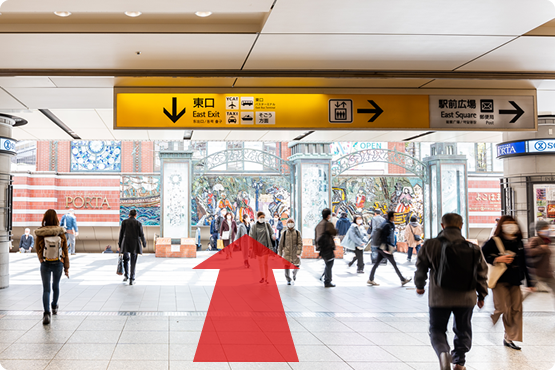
(245, 321)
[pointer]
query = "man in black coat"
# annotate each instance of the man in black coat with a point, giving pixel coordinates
(325, 244)
(131, 243)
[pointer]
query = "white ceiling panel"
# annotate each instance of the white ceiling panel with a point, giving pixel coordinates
(130, 134)
(83, 81)
(59, 98)
(546, 101)
(332, 82)
(239, 135)
(81, 118)
(145, 6)
(94, 134)
(20, 133)
(119, 51)
(8, 102)
(49, 134)
(527, 53)
(174, 81)
(387, 52)
(279, 135)
(324, 135)
(206, 135)
(469, 17)
(164, 134)
(36, 121)
(25, 81)
(481, 84)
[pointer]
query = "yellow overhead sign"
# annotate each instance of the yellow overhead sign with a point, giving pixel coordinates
(270, 111)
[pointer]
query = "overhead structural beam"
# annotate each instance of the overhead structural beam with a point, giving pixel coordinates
(364, 74)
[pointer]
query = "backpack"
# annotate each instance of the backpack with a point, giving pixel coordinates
(52, 248)
(458, 265)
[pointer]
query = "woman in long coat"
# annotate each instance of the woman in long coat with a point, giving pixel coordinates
(228, 230)
(262, 232)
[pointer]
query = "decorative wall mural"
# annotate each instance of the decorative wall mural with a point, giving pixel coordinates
(176, 183)
(362, 195)
(239, 195)
(102, 156)
(143, 194)
(314, 189)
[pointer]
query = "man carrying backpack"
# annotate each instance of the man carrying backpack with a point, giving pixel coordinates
(458, 279)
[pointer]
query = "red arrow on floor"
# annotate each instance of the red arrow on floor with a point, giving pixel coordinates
(246, 321)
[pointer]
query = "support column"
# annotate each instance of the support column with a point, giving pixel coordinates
(7, 150)
(528, 186)
(447, 188)
(312, 184)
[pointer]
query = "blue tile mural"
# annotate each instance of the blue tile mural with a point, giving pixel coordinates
(90, 156)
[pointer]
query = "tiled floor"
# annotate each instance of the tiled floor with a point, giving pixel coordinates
(156, 324)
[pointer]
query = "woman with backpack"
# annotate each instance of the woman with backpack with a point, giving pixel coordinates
(413, 236)
(262, 232)
(291, 248)
(53, 256)
(505, 250)
(228, 230)
(355, 240)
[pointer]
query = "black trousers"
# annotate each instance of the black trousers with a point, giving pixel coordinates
(126, 258)
(359, 257)
(389, 257)
(462, 327)
(327, 271)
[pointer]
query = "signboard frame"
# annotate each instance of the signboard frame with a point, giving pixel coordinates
(526, 151)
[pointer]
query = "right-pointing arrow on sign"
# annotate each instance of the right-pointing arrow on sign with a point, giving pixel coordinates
(518, 112)
(377, 111)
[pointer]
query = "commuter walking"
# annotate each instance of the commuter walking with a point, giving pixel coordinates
(385, 250)
(277, 226)
(374, 229)
(243, 229)
(69, 223)
(458, 279)
(506, 250)
(325, 245)
(538, 254)
(291, 248)
(342, 225)
(261, 231)
(27, 242)
(228, 230)
(53, 256)
(334, 219)
(131, 243)
(356, 241)
(413, 236)
(214, 233)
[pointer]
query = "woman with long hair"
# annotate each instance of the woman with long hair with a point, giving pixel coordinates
(53, 256)
(228, 230)
(506, 247)
(262, 232)
(356, 241)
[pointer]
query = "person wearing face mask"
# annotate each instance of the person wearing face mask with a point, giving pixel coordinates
(262, 232)
(506, 247)
(324, 235)
(228, 230)
(242, 230)
(355, 240)
(277, 225)
(291, 248)
(538, 253)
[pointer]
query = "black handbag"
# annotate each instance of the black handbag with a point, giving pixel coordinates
(119, 270)
(416, 237)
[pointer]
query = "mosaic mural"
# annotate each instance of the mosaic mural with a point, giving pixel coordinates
(239, 195)
(362, 195)
(315, 195)
(143, 194)
(176, 186)
(88, 156)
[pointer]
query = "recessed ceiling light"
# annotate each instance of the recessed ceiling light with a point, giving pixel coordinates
(203, 14)
(62, 14)
(133, 14)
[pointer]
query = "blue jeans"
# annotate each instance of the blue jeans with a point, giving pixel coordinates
(50, 272)
(70, 243)
(409, 253)
(374, 253)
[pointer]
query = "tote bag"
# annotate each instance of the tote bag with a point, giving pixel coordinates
(495, 271)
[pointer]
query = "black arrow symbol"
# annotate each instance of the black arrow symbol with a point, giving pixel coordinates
(377, 110)
(174, 116)
(518, 112)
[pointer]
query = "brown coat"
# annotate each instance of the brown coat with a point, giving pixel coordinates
(232, 231)
(291, 246)
(542, 268)
(44, 231)
(411, 230)
(328, 231)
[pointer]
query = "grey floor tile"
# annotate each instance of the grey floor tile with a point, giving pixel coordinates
(260, 365)
(347, 339)
(184, 337)
(45, 336)
(86, 352)
(146, 325)
(319, 366)
(23, 352)
(363, 353)
(182, 352)
(98, 325)
(10, 336)
(17, 324)
(154, 337)
(24, 364)
(186, 325)
(390, 339)
(138, 365)
(77, 365)
(384, 366)
(92, 337)
(316, 354)
(189, 365)
(134, 352)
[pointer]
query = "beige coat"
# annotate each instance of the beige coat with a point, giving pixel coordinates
(45, 231)
(413, 228)
(291, 246)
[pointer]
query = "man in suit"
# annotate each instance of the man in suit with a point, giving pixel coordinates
(26, 242)
(131, 243)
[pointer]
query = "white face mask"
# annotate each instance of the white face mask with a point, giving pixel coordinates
(509, 229)
(229, 217)
(359, 222)
(261, 219)
(291, 225)
(544, 233)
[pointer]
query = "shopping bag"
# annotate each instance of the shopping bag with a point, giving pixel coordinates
(225, 235)
(119, 270)
(220, 244)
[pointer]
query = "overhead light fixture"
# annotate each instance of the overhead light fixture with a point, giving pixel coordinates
(188, 134)
(133, 14)
(62, 14)
(417, 136)
(203, 14)
(302, 136)
(58, 122)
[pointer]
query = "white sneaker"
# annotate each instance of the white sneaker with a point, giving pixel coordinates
(372, 282)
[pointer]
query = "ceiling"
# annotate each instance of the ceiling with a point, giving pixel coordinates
(70, 65)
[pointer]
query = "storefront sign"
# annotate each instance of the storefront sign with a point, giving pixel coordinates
(526, 147)
(87, 202)
(482, 112)
(270, 111)
(7, 145)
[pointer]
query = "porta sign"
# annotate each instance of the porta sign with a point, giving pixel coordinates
(87, 202)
